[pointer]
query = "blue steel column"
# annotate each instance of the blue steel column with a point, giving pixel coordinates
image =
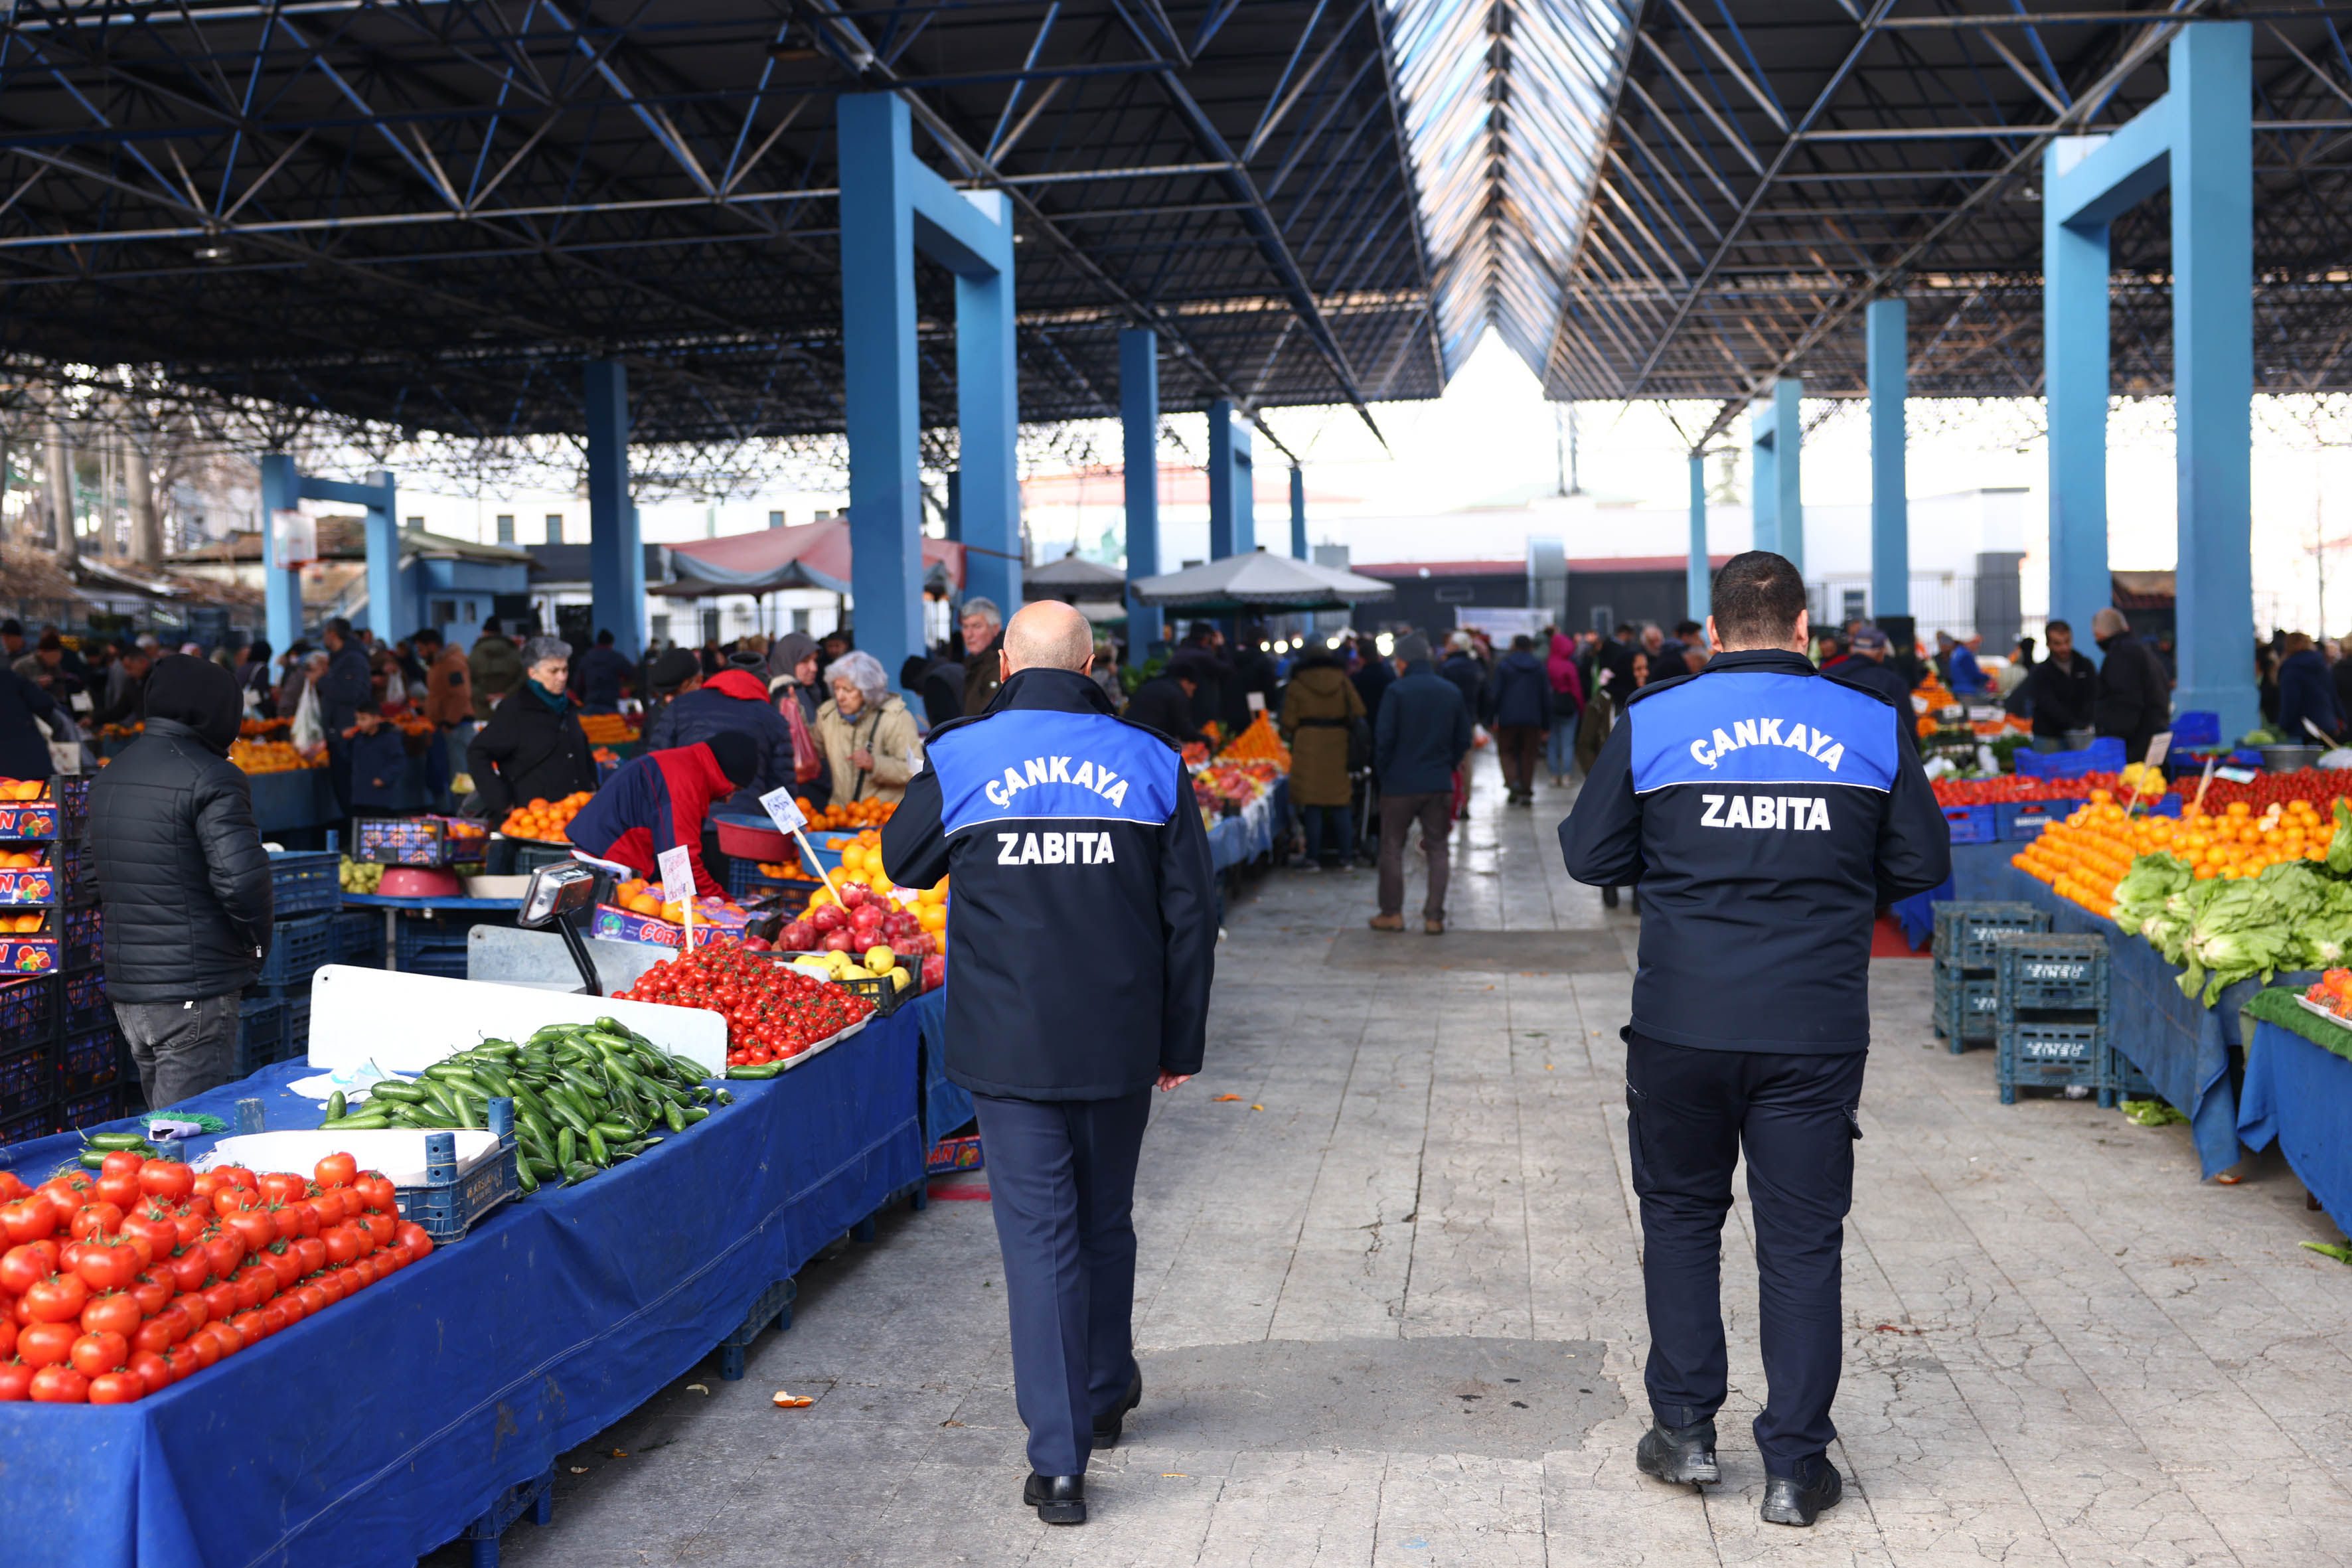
(281, 589)
(2214, 366)
(988, 416)
(617, 564)
(1787, 452)
(1231, 521)
(1887, 350)
(1298, 551)
(879, 408)
(1763, 480)
(1138, 413)
(2074, 381)
(388, 611)
(1696, 586)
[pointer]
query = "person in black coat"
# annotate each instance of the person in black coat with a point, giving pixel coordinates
(2134, 699)
(1164, 703)
(736, 697)
(533, 747)
(184, 880)
(23, 749)
(2063, 691)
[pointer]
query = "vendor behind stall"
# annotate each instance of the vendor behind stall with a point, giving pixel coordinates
(663, 799)
(532, 748)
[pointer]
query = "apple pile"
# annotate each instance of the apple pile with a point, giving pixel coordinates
(863, 920)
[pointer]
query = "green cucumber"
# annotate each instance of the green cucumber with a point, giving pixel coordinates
(336, 1104)
(529, 1183)
(614, 1132)
(674, 1118)
(112, 1141)
(598, 1154)
(567, 1148)
(393, 1088)
(756, 1070)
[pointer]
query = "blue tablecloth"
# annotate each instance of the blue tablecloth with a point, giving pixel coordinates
(2302, 1096)
(380, 1429)
(945, 1106)
(1236, 840)
(1976, 869)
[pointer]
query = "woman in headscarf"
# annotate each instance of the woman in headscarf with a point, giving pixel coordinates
(868, 737)
(1567, 705)
(792, 686)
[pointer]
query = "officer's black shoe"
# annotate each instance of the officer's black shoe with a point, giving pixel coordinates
(1679, 1454)
(1059, 1499)
(1107, 1428)
(1608, 897)
(1788, 1500)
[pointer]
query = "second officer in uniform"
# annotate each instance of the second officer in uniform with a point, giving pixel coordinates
(1766, 811)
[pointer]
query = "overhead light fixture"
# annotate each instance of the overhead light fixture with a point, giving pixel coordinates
(215, 254)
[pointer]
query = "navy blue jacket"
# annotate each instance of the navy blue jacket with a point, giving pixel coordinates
(599, 675)
(1767, 813)
(731, 699)
(24, 750)
(345, 685)
(2305, 692)
(1470, 676)
(1083, 924)
(1421, 734)
(1522, 694)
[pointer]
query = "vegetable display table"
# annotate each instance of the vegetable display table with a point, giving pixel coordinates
(2301, 1094)
(1237, 840)
(375, 1432)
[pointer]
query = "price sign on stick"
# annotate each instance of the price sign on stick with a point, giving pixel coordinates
(786, 814)
(2206, 781)
(678, 883)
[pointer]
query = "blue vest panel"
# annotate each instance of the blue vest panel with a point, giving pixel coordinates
(1041, 762)
(1761, 727)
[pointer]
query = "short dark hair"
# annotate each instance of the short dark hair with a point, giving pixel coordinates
(2057, 626)
(425, 635)
(1522, 643)
(340, 627)
(1687, 629)
(1627, 628)
(12, 627)
(489, 626)
(1757, 600)
(604, 639)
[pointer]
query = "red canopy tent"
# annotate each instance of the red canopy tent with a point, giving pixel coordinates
(810, 555)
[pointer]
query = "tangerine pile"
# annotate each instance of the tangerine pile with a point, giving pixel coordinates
(20, 860)
(17, 925)
(2085, 856)
(607, 728)
(23, 789)
(867, 813)
(271, 757)
(545, 820)
(1261, 742)
(640, 897)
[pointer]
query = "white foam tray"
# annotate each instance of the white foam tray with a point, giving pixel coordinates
(398, 1152)
(405, 1023)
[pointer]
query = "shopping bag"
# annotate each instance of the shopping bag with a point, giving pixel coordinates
(310, 732)
(65, 744)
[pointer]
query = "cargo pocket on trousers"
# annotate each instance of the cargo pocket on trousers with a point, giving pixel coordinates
(1853, 1121)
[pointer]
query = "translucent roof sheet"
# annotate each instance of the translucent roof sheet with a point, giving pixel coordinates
(1506, 106)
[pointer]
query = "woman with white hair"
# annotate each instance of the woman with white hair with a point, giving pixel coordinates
(868, 737)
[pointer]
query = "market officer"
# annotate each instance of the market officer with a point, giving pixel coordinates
(1767, 811)
(1085, 943)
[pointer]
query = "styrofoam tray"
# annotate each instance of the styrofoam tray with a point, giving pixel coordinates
(2308, 1006)
(826, 1044)
(397, 1151)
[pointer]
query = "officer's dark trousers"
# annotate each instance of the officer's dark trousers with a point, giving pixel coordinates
(1061, 1177)
(1690, 1114)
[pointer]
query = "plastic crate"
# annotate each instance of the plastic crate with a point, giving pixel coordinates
(447, 1210)
(77, 873)
(89, 1110)
(1965, 930)
(260, 1034)
(28, 1012)
(2043, 969)
(746, 881)
(772, 1305)
(2014, 819)
(2052, 1055)
(1971, 823)
(72, 794)
(1971, 1011)
(306, 882)
(82, 940)
(84, 1002)
(297, 947)
(417, 841)
(90, 1061)
(529, 855)
(2104, 755)
(424, 946)
(2130, 1083)
(357, 939)
(28, 1078)
(2195, 729)
(27, 1125)
(298, 1027)
(535, 1498)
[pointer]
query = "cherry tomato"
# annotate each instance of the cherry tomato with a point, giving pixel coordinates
(60, 1384)
(95, 1353)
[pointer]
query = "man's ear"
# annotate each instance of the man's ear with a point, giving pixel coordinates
(1003, 663)
(1714, 643)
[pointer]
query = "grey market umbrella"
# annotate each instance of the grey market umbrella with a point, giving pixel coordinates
(1260, 580)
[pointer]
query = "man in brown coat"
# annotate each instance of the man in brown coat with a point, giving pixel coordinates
(1319, 712)
(448, 681)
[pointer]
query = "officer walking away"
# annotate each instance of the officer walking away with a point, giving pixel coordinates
(1766, 812)
(1085, 943)
(184, 880)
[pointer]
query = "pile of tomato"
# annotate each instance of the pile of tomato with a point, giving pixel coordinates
(117, 1284)
(2318, 785)
(774, 1010)
(2016, 786)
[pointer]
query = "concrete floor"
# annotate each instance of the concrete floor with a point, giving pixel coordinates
(1390, 1309)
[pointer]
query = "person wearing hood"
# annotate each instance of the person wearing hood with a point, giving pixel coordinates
(1420, 737)
(663, 799)
(869, 739)
(734, 699)
(2135, 697)
(794, 688)
(1320, 714)
(184, 881)
(1519, 697)
(1567, 705)
(533, 747)
(2305, 692)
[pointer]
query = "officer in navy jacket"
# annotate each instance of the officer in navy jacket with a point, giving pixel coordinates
(1084, 941)
(1766, 811)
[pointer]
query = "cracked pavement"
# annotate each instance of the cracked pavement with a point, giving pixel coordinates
(1395, 1316)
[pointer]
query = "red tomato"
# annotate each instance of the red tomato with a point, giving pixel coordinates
(235, 1200)
(117, 1388)
(68, 1193)
(28, 1218)
(181, 1360)
(255, 1284)
(282, 1186)
(94, 1353)
(341, 1245)
(275, 1316)
(93, 1220)
(189, 1268)
(206, 1184)
(108, 1266)
(337, 1170)
(315, 1297)
(202, 1346)
(156, 1227)
(289, 1221)
(61, 1385)
(7, 1338)
(193, 1308)
(15, 1382)
(312, 1250)
(419, 1245)
(292, 1305)
(152, 1290)
(330, 1206)
(167, 1179)
(191, 1223)
(382, 1226)
(377, 1191)
(22, 1266)
(47, 1345)
(285, 1266)
(160, 1332)
(255, 1227)
(112, 1313)
(225, 1249)
(250, 1325)
(392, 1259)
(220, 1299)
(227, 1335)
(238, 1176)
(59, 1298)
(121, 1190)
(12, 1187)
(154, 1374)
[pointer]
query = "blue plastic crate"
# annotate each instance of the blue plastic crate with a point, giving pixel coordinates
(85, 1006)
(298, 1027)
(1971, 823)
(28, 1012)
(358, 938)
(746, 881)
(2052, 1055)
(1965, 930)
(447, 1210)
(1969, 1013)
(305, 881)
(260, 1034)
(297, 948)
(89, 1110)
(535, 1498)
(27, 1125)
(2043, 969)
(2195, 729)
(82, 944)
(28, 1078)
(2130, 1083)
(2015, 819)
(2104, 755)
(772, 1305)
(429, 945)
(90, 1061)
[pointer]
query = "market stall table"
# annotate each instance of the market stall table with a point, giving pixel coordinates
(394, 908)
(1239, 839)
(2299, 1092)
(378, 1430)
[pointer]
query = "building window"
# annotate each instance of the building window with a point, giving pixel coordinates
(506, 528)
(415, 525)
(1604, 619)
(800, 620)
(1854, 603)
(555, 528)
(661, 628)
(444, 612)
(775, 520)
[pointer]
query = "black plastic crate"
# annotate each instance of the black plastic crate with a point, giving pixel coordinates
(77, 873)
(72, 792)
(297, 948)
(2043, 969)
(298, 1027)
(2130, 1083)
(1965, 930)
(358, 938)
(89, 1110)
(535, 1498)
(431, 945)
(27, 1125)
(746, 881)
(82, 942)
(772, 1305)
(90, 1062)
(2053, 1055)
(28, 1078)
(260, 1034)
(305, 881)
(28, 1012)
(84, 1002)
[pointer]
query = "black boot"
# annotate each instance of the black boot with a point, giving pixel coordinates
(1683, 1455)
(1059, 1499)
(1107, 1428)
(1788, 1500)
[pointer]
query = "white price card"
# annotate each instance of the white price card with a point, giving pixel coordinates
(1257, 701)
(783, 810)
(2158, 748)
(678, 883)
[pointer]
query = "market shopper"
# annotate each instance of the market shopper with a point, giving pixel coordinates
(1085, 945)
(869, 741)
(982, 668)
(2134, 699)
(2062, 693)
(184, 880)
(798, 691)
(1766, 812)
(533, 747)
(2306, 692)
(1520, 699)
(1321, 718)
(734, 699)
(1867, 667)
(604, 674)
(1567, 707)
(1164, 703)
(1420, 738)
(495, 669)
(663, 799)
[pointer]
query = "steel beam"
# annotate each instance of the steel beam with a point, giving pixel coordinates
(281, 586)
(1776, 438)
(1298, 551)
(616, 561)
(1138, 411)
(2075, 346)
(1697, 587)
(988, 414)
(1887, 325)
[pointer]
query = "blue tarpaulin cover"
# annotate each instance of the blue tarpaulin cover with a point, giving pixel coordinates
(945, 1106)
(2302, 1095)
(379, 1429)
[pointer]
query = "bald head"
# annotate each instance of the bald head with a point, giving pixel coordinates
(1048, 635)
